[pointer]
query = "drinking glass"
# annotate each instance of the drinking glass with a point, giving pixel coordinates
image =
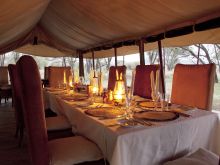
(162, 102)
(155, 97)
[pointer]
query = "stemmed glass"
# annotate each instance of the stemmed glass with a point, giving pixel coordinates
(155, 97)
(129, 98)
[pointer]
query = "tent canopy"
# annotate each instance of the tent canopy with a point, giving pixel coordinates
(63, 28)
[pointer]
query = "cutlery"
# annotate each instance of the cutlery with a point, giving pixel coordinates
(181, 113)
(142, 122)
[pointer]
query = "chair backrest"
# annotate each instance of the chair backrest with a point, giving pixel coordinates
(56, 75)
(3, 75)
(112, 75)
(16, 93)
(46, 73)
(142, 83)
(32, 102)
(193, 85)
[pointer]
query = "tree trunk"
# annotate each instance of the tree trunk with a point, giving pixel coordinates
(2, 60)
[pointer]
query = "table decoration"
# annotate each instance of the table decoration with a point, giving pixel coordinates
(119, 90)
(64, 80)
(110, 96)
(156, 115)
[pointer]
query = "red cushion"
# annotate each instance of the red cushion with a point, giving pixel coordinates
(32, 102)
(142, 83)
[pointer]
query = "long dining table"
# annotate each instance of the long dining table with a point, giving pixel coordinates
(141, 144)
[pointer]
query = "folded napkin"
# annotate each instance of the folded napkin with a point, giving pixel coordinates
(157, 81)
(152, 81)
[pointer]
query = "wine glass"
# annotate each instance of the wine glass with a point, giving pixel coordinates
(155, 97)
(167, 100)
(129, 98)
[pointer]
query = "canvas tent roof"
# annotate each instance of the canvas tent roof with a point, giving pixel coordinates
(62, 28)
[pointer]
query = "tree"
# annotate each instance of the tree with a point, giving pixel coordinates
(2, 60)
(217, 54)
(107, 62)
(204, 53)
(171, 57)
(88, 65)
(71, 61)
(152, 55)
(16, 56)
(188, 51)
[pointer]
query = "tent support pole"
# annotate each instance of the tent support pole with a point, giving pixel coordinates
(81, 65)
(93, 63)
(141, 51)
(116, 60)
(161, 68)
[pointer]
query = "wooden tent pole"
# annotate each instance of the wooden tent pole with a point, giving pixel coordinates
(161, 68)
(141, 51)
(198, 54)
(81, 65)
(116, 60)
(93, 62)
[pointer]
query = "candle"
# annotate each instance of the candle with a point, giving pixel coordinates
(64, 77)
(119, 91)
(110, 97)
(117, 77)
(70, 81)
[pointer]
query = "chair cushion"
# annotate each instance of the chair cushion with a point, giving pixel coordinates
(193, 85)
(72, 150)
(200, 157)
(56, 75)
(57, 123)
(142, 81)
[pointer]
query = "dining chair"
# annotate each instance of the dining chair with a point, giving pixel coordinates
(16, 101)
(200, 157)
(193, 85)
(56, 126)
(5, 87)
(142, 82)
(4, 75)
(56, 75)
(65, 151)
(112, 75)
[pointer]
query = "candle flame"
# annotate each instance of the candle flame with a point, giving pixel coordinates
(94, 89)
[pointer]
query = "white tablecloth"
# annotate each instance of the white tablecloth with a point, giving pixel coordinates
(143, 145)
